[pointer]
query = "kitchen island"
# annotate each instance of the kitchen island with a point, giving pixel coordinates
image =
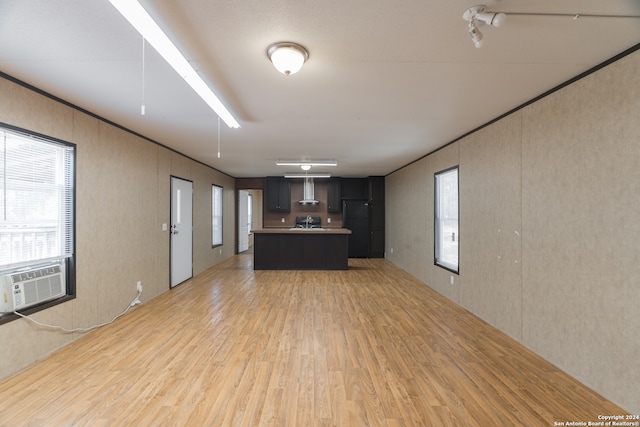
(301, 248)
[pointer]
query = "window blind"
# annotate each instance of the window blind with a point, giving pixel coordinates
(36, 193)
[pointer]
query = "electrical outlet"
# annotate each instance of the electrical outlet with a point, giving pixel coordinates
(452, 280)
(328, 220)
(139, 286)
(282, 219)
(220, 251)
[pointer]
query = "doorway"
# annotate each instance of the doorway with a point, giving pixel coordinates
(243, 221)
(181, 253)
(249, 217)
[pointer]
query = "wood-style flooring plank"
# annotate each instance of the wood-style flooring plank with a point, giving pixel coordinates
(369, 346)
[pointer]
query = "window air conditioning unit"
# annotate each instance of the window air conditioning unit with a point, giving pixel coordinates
(24, 288)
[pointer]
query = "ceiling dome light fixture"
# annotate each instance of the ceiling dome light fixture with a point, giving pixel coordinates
(287, 57)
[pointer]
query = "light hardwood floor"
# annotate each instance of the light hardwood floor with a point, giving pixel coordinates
(370, 346)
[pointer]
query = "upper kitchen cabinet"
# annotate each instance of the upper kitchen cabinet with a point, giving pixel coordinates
(376, 188)
(371, 188)
(334, 202)
(353, 188)
(278, 194)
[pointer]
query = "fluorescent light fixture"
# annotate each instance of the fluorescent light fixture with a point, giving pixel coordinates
(141, 21)
(306, 162)
(307, 175)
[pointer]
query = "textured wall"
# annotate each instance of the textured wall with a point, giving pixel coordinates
(490, 223)
(549, 227)
(122, 200)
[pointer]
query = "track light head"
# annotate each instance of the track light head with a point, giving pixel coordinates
(476, 35)
(492, 19)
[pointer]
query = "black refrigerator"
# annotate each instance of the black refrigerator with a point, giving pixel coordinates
(355, 217)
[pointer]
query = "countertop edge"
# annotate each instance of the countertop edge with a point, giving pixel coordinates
(301, 231)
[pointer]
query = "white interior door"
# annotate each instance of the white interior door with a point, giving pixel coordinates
(243, 221)
(181, 230)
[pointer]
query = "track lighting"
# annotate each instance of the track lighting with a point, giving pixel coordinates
(476, 15)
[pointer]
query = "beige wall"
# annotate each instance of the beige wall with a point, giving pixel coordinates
(122, 198)
(549, 228)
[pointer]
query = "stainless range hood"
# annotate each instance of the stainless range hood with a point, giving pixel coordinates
(308, 195)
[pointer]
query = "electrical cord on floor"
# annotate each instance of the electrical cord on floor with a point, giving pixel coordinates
(134, 302)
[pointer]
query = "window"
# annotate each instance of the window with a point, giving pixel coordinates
(37, 180)
(216, 215)
(446, 219)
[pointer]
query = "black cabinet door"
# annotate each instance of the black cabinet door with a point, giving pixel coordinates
(376, 229)
(278, 194)
(334, 204)
(284, 195)
(353, 188)
(376, 188)
(359, 237)
(376, 249)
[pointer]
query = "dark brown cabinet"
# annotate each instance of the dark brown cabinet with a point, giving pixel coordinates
(278, 194)
(363, 214)
(334, 203)
(376, 229)
(300, 251)
(376, 188)
(353, 188)
(376, 216)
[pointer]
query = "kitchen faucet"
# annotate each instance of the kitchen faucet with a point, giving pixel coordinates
(309, 220)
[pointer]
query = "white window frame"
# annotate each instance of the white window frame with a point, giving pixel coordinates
(216, 215)
(447, 219)
(37, 206)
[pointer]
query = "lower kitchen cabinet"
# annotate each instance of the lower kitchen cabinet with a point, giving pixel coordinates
(300, 250)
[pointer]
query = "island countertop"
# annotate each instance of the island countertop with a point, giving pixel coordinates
(301, 248)
(286, 230)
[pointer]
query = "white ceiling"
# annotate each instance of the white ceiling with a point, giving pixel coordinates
(386, 82)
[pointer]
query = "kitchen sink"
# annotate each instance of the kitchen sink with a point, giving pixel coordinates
(306, 229)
